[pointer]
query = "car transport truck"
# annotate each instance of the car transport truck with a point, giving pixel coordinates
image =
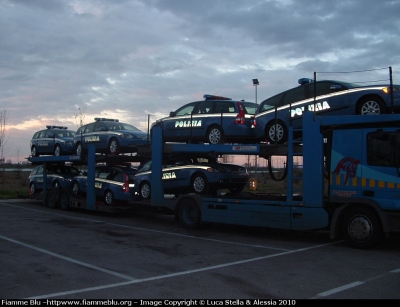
(350, 181)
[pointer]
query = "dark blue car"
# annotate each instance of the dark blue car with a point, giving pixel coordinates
(332, 97)
(110, 136)
(214, 120)
(192, 174)
(55, 140)
(113, 184)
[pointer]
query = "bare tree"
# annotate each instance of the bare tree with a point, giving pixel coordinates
(3, 138)
(81, 115)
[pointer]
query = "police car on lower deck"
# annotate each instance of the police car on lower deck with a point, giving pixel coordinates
(214, 120)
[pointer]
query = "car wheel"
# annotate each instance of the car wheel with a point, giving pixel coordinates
(113, 146)
(236, 189)
(51, 198)
(109, 197)
(64, 200)
(32, 188)
(56, 185)
(57, 151)
(34, 152)
(362, 228)
(371, 106)
(189, 214)
(199, 184)
(215, 135)
(276, 132)
(145, 190)
(75, 188)
(79, 149)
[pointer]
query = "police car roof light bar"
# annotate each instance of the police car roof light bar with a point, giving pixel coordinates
(56, 127)
(213, 97)
(102, 119)
(303, 81)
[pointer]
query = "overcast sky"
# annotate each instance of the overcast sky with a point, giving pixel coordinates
(127, 59)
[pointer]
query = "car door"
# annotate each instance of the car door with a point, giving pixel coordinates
(175, 173)
(42, 143)
(49, 141)
(101, 134)
(178, 126)
(88, 136)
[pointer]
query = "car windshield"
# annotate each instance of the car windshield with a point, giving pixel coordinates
(121, 126)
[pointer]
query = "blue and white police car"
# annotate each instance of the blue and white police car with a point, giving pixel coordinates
(110, 136)
(275, 114)
(214, 120)
(184, 173)
(113, 184)
(55, 140)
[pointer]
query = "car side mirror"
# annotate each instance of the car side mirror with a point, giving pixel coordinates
(172, 114)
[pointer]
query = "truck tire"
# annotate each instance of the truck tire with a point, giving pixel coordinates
(189, 214)
(64, 200)
(362, 228)
(52, 198)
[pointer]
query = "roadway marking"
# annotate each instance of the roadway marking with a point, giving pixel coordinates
(90, 266)
(213, 267)
(151, 230)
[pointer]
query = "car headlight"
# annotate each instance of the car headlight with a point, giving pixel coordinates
(215, 170)
(126, 136)
(386, 90)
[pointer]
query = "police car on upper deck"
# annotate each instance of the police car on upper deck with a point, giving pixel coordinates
(110, 136)
(214, 120)
(55, 140)
(275, 114)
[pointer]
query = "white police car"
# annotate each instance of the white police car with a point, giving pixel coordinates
(110, 136)
(214, 120)
(55, 140)
(275, 114)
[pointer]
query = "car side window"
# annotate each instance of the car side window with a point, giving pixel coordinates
(146, 167)
(100, 127)
(49, 134)
(204, 108)
(186, 110)
(42, 134)
(80, 130)
(89, 128)
(224, 107)
(39, 171)
(271, 103)
(116, 176)
(294, 95)
(36, 135)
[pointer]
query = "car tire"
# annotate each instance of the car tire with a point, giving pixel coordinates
(189, 214)
(145, 190)
(371, 106)
(34, 152)
(236, 189)
(276, 132)
(56, 185)
(215, 135)
(75, 188)
(113, 146)
(57, 151)
(109, 197)
(64, 200)
(32, 188)
(362, 228)
(200, 184)
(79, 149)
(52, 198)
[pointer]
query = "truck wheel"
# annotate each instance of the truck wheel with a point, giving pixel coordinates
(362, 228)
(189, 213)
(52, 198)
(64, 200)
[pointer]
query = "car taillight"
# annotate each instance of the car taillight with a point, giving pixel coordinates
(240, 118)
(125, 186)
(254, 122)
